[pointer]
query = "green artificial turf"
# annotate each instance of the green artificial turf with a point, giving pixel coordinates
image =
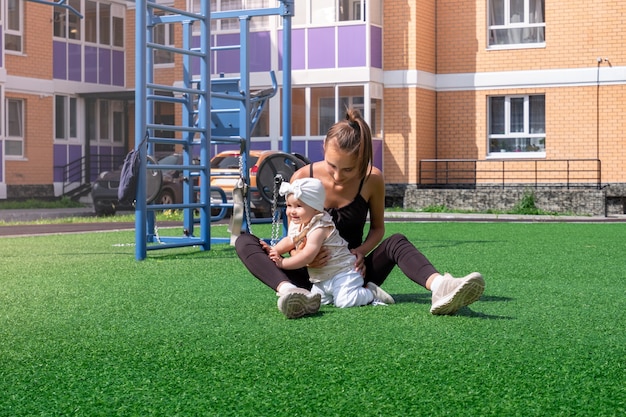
(86, 330)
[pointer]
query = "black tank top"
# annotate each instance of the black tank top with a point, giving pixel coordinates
(350, 219)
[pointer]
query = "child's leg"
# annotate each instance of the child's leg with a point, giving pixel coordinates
(320, 288)
(348, 290)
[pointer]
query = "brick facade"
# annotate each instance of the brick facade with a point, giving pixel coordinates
(438, 50)
(583, 116)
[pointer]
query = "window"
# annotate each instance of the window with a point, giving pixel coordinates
(65, 120)
(105, 24)
(118, 31)
(232, 24)
(262, 128)
(14, 143)
(67, 23)
(91, 21)
(331, 11)
(119, 126)
(322, 110)
(517, 124)
(515, 22)
(163, 35)
(13, 29)
(328, 12)
(106, 120)
(351, 10)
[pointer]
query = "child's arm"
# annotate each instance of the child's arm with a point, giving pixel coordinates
(284, 245)
(304, 256)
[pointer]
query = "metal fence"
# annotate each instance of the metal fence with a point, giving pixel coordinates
(471, 173)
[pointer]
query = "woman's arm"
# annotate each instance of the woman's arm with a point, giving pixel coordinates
(374, 193)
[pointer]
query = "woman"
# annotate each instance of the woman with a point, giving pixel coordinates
(354, 188)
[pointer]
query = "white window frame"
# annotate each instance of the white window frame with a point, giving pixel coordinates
(69, 21)
(13, 137)
(69, 119)
(72, 29)
(232, 25)
(108, 126)
(515, 144)
(16, 32)
(519, 30)
(163, 34)
(118, 129)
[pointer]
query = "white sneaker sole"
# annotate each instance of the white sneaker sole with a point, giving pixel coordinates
(295, 305)
(466, 294)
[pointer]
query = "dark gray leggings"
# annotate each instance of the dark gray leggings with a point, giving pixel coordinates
(395, 250)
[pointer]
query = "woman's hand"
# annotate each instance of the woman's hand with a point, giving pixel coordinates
(321, 259)
(359, 265)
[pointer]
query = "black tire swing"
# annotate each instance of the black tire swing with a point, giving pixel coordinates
(272, 172)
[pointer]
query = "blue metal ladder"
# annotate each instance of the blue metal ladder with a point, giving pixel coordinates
(219, 110)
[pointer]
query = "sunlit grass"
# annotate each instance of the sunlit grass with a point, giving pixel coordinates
(87, 330)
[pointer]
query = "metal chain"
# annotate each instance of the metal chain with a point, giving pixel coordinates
(246, 202)
(275, 214)
(156, 231)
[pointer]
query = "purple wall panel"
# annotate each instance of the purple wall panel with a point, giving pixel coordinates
(119, 150)
(1, 64)
(315, 150)
(298, 49)
(75, 152)
(59, 60)
(264, 145)
(321, 48)
(228, 61)
(119, 68)
(75, 59)
(195, 62)
(94, 170)
(351, 44)
(260, 52)
(1, 148)
(91, 64)
(104, 66)
(298, 146)
(59, 159)
(376, 47)
(107, 163)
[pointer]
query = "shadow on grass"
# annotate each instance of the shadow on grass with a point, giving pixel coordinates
(412, 298)
(465, 311)
(468, 312)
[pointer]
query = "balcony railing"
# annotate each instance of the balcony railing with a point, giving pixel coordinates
(471, 173)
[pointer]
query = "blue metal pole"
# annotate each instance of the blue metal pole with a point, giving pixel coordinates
(204, 116)
(244, 105)
(187, 115)
(140, 126)
(289, 11)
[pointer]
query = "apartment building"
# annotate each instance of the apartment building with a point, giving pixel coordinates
(64, 95)
(484, 81)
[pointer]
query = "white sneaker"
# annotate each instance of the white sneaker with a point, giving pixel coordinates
(454, 293)
(380, 295)
(298, 302)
